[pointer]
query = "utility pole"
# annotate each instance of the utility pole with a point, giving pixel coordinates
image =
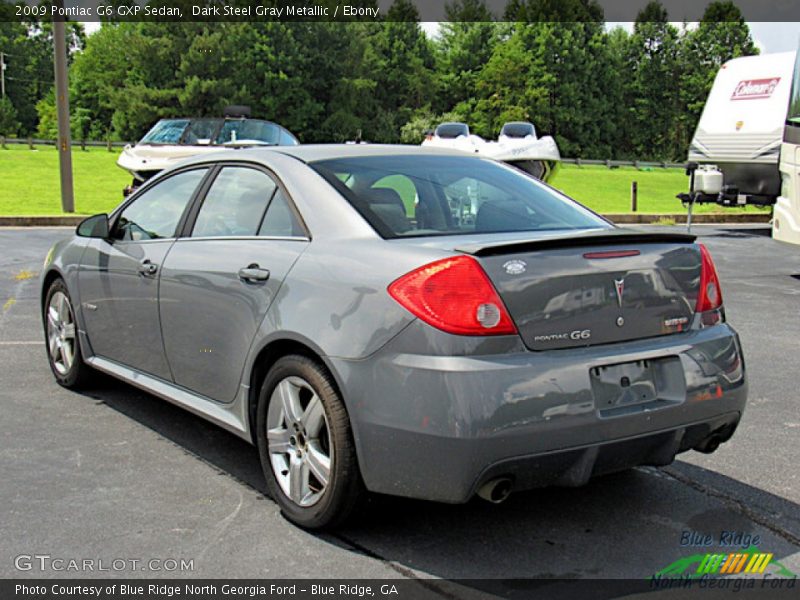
(62, 109)
(2, 75)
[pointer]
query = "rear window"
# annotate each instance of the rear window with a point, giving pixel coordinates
(423, 195)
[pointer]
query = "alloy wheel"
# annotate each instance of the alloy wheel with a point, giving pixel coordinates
(61, 337)
(299, 444)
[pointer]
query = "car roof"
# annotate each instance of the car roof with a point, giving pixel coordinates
(315, 152)
(308, 153)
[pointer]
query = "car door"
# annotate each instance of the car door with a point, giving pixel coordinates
(218, 281)
(119, 276)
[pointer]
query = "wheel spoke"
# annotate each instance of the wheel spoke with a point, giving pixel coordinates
(314, 417)
(318, 464)
(63, 312)
(290, 401)
(52, 317)
(54, 344)
(278, 440)
(64, 351)
(69, 353)
(298, 480)
(69, 331)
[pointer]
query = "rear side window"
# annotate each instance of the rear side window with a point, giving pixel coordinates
(424, 195)
(235, 203)
(280, 220)
(156, 212)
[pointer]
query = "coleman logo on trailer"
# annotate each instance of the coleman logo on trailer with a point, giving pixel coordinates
(753, 89)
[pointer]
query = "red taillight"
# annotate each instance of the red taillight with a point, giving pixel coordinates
(710, 295)
(454, 295)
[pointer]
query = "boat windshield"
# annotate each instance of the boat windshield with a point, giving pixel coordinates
(451, 131)
(253, 130)
(166, 131)
(201, 132)
(793, 117)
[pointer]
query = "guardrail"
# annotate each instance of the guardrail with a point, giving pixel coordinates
(611, 164)
(33, 142)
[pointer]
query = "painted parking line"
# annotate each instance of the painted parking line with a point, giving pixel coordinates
(22, 343)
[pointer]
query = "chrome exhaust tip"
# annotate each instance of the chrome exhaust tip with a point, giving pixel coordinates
(709, 445)
(496, 490)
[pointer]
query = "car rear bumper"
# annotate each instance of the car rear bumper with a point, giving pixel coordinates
(438, 427)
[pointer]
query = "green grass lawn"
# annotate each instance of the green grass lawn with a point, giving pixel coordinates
(607, 190)
(30, 184)
(30, 180)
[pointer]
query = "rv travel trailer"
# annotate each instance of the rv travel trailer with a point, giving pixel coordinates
(737, 143)
(786, 214)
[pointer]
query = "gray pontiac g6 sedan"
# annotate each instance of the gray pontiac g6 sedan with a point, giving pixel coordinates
(401, 320)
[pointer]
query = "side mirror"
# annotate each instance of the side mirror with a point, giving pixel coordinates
(94, 227)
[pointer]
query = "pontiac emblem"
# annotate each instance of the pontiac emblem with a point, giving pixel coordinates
(619, 285)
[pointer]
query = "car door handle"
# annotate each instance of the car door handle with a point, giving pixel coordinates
(147, 268)
(253, 272)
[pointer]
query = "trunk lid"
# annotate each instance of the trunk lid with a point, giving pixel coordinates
(595, 288)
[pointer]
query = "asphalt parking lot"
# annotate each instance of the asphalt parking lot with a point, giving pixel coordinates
(115, 473)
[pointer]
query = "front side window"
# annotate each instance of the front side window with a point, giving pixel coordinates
(235, 203)
(156, 211)
(425, 195)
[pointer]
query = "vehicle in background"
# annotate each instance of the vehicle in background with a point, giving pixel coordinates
(172, 140)
(517, 145)
(786, 214)
(737, 143)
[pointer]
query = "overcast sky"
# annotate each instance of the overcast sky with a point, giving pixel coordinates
(770, 37)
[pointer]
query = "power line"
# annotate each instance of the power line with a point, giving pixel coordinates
(45, 81)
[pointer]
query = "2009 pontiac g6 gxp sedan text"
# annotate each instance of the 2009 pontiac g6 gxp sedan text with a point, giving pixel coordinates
(401, 320)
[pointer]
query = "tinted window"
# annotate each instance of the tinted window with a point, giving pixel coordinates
(280, 221)
(235, 203)
(166, 131)
(155, 212)
(451, 195)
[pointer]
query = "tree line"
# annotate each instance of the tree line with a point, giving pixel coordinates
(601, 93)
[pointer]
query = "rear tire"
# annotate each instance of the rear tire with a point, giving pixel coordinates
(61, 338)
(306, 444)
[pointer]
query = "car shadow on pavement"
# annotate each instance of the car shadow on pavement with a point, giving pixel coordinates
(623, 525)
(742, 232)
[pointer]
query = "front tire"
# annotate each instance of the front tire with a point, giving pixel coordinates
(61, 336)
(306, 444)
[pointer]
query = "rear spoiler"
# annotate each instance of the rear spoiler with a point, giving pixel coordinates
(609, 237)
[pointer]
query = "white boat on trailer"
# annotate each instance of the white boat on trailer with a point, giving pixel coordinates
(517, 145)
(171, 140)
